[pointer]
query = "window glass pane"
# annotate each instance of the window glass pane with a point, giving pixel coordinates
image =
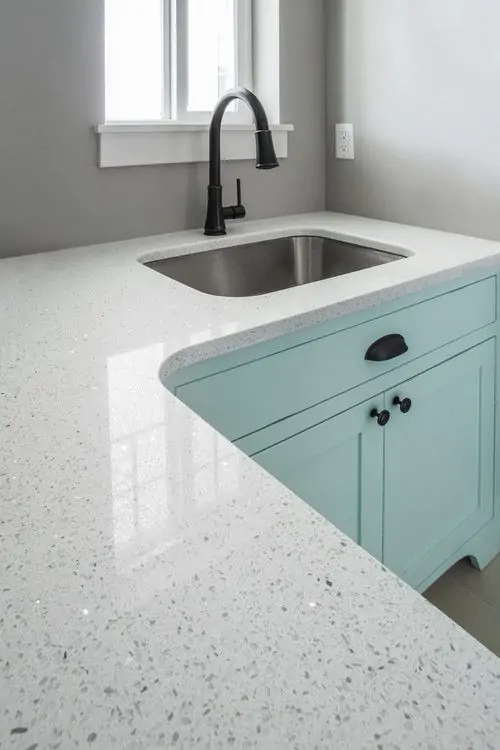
(134, 59)
(211, 52)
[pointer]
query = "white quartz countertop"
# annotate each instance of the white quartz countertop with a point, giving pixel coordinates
(157, 588)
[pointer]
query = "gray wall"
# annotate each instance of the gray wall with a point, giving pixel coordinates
(52, 194)
(420, 79)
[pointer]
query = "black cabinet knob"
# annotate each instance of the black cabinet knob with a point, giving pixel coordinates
(404, 405)
(382, 417)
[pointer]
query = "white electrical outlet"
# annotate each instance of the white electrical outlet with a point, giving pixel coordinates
(344, 140)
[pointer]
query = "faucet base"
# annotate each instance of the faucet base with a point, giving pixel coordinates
(214, 233)
(215, 224)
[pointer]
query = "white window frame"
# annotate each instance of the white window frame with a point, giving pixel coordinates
(181, 136)
(175, 49)
(175, 78)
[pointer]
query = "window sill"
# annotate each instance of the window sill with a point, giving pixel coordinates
(138, 144)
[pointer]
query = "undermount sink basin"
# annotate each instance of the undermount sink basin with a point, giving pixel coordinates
(269, 266)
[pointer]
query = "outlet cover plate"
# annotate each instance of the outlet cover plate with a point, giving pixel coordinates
(344, 140)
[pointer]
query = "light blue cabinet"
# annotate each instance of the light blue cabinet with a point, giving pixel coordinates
(338, 467)
(416, 489)
(417, 493)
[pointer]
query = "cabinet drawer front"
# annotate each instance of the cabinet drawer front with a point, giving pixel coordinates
(246, 398)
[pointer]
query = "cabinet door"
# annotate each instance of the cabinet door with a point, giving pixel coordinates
(337, 467)
(439, 459)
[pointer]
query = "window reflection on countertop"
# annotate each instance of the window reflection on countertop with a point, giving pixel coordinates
(168, 466)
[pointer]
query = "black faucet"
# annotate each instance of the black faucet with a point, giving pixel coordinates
(266, 159)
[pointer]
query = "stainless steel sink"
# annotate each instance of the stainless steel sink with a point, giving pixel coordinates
(264, 267)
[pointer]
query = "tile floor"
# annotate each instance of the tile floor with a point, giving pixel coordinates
(472, 599)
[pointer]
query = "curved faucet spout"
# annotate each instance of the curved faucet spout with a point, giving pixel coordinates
(266, 157)
(266, 160)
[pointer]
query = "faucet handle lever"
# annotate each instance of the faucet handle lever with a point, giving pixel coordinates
(238, 211)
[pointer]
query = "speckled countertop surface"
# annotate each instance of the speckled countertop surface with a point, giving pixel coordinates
(157, 588)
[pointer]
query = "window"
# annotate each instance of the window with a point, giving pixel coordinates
(173, 59)
(167, 64)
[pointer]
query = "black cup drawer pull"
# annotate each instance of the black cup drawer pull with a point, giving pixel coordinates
(388, 347)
